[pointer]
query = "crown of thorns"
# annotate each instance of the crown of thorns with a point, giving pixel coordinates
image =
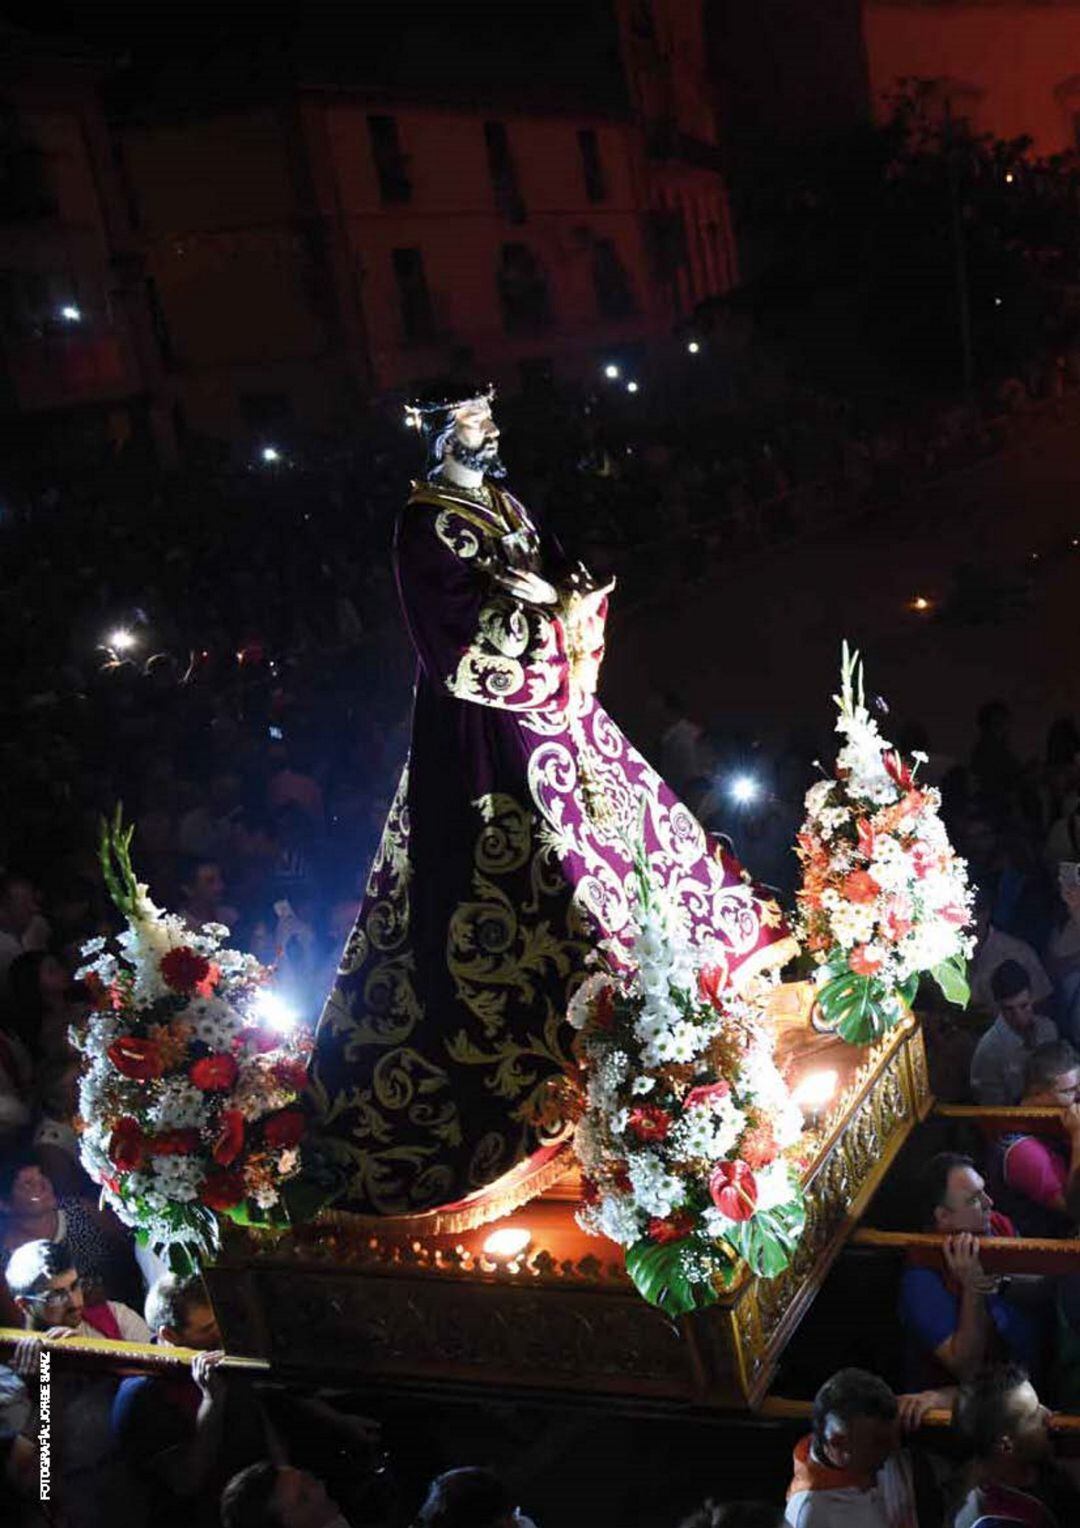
(422, 411)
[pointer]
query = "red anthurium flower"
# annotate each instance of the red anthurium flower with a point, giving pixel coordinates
(759, 1148)
(860, 887)
(127, 1145)
(285, 1128)
(185, 970)
(734, 1190)
(863, 963)
(711, 983)
(222, 1189)
(174, 1143)
(707, 1094)
(140, 1060)
(230, 1140)
(214, 1074)
(674, 1228)
(649, 1122)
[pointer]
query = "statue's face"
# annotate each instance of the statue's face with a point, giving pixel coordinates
(475, 441)
(475, 428)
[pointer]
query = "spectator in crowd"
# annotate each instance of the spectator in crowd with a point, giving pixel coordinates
(993, 947)
(101, 1248)
(1063, 953)
(999, 1065)
(202, 899)
(55, 1144)
(21, 925)
(266, 1495)
(995, 766)
(1063, 839)
(1004, 1427)
(182, 1435)
(851, 1468)
(469, 1498)
(1036, 1177)
(955, 1318)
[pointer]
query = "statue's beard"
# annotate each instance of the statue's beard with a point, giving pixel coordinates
(483, 458)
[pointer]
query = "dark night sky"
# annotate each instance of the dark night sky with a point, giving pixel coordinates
(564, 48)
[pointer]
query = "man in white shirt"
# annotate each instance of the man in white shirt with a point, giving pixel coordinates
(993, 947)
(999, 1065)
(851, 1471)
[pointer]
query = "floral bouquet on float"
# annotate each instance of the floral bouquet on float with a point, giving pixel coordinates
(686, 1121)
(189, 1104)
(884, 899)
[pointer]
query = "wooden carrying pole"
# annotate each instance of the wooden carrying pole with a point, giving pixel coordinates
(125, 1355)
(779, 1409)
(998, 1254)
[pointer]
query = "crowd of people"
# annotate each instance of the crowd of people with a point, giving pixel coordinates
(222, 654)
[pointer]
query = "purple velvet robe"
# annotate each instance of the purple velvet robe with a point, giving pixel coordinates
(506, 858)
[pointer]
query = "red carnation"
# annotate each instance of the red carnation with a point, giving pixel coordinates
(185, 970)
(711, 982)
(734, 1190)
(230, 1139)
(140, 1060)
(222, 1189)
(759, 1147)
(649, 1122)
(285, 1128)
(674, 1228)
(706, 1095)
(174, 1143)
(127, 1145)
(214, 1074)
(860, 887)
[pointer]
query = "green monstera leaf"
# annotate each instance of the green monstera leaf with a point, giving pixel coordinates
(951, 977)
(768, 1240)
(658, 1273)
(857, 1008)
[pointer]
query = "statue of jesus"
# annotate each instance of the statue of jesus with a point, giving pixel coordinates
(507, 860)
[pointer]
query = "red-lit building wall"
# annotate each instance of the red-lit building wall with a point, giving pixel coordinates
(1011, 68)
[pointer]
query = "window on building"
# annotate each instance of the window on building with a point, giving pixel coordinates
(593, 169)
(25, 192)
(414, 299)
(665, 237)
(503, 172)
(523, 291)
(611, 281)
(390, 163)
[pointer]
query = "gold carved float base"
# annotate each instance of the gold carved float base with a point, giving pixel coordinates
(359, 1301)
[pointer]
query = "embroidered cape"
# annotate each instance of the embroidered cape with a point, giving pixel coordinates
(507, 858)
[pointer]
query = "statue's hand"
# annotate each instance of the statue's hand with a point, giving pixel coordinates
(529, 587)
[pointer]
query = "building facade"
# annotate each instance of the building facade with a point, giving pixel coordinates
(1011, 67)
(76, 332)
